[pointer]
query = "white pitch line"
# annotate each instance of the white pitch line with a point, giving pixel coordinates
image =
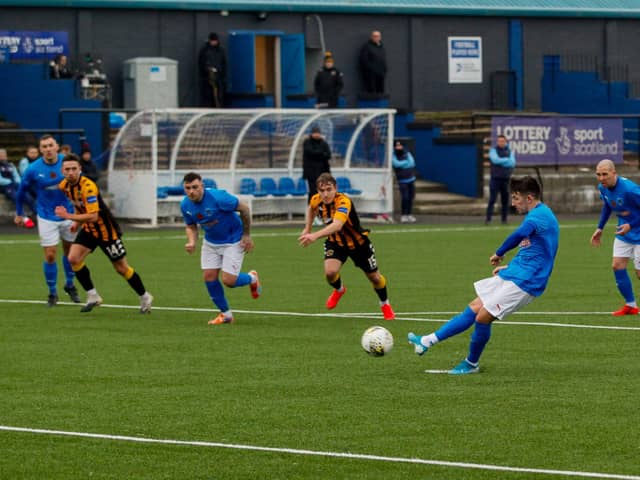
(370, 316)
(320, 453)
(142, 238)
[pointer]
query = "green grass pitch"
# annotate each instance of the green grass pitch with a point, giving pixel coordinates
(558, 392)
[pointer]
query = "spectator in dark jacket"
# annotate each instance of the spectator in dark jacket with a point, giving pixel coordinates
(59, 68)
(212, 63)
(89, 168)
(328, 83)
(315, 159)
(503, 161)
(373, 63)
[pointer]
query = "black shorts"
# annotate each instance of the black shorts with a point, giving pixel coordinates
(114, 249)
(364, 256)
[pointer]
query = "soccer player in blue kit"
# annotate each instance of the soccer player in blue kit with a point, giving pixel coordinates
(44, 174)
(226, 239)
(512, 286)
(622, 196)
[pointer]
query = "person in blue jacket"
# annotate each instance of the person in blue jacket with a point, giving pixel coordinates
(503, 161)
(404, 165)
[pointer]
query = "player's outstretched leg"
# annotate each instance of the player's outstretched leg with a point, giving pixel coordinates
(93, 300)
(338, 291)
(456, 325)
(479, 339)
(255, 285)
(146, 299)
(51, 275)
(380, 287)
(216, 293)
(623, 282)
(69, 275)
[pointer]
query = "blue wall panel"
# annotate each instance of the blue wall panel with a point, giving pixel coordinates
(29, 98)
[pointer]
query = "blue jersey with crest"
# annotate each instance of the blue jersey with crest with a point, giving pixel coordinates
(216, 214)
(44, 177)
(537, 236)
(624, 200)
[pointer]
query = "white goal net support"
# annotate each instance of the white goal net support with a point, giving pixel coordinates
(235, 149)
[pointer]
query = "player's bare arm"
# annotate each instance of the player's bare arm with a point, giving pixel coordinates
(308, 238)
(192, 238)
(62, 212)
(596, 238)
(308, 225)
(245, 215)
(623, 229)
(495, 259)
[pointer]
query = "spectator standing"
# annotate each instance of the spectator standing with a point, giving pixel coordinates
(503, 161)
(316, 154)
(31, 156)
(10, 183)
(89, 169)
(59, 68)
(404, 165)
(373, 63)
(212, 62)
(328, 83)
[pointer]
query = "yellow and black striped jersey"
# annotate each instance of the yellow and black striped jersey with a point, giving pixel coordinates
(86, 198)
(352, 234)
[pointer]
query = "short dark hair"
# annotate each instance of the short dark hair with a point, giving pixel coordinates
(191, 176)
(46, 136)
(325, 178)
(71, 157)
(526, 185)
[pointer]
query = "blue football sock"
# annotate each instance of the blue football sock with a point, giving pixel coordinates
(216, 292)
(623, 282)
(242, 280)
(51, 276)
(479, 338)
(68, 271)
(457, 324)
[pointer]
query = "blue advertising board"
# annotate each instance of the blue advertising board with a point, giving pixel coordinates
(31, 45)
(561, 140)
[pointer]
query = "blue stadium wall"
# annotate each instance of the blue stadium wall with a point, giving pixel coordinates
(416, 46)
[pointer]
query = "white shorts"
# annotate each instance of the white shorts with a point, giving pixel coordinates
(623, 249)
(227, 256)
(51, 232)
(501, 297)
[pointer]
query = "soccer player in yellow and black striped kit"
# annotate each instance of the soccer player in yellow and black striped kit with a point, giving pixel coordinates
(345, 239)
(97, 228)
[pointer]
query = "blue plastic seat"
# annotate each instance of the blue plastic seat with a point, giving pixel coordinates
(162, 192)
(268, 187)
(344, 186)
(302, 187)
(287, 186)
(209, 183)
(248, 186)
(175, 190)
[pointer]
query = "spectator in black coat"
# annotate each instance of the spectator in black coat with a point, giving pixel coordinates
(212, 63)
(89, 168)
(59, 68)
(315, 159)
(373, 63)
(328, 83)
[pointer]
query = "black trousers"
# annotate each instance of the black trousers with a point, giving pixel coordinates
(498, 185)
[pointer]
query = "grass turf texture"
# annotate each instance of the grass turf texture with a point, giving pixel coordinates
(547, 397)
